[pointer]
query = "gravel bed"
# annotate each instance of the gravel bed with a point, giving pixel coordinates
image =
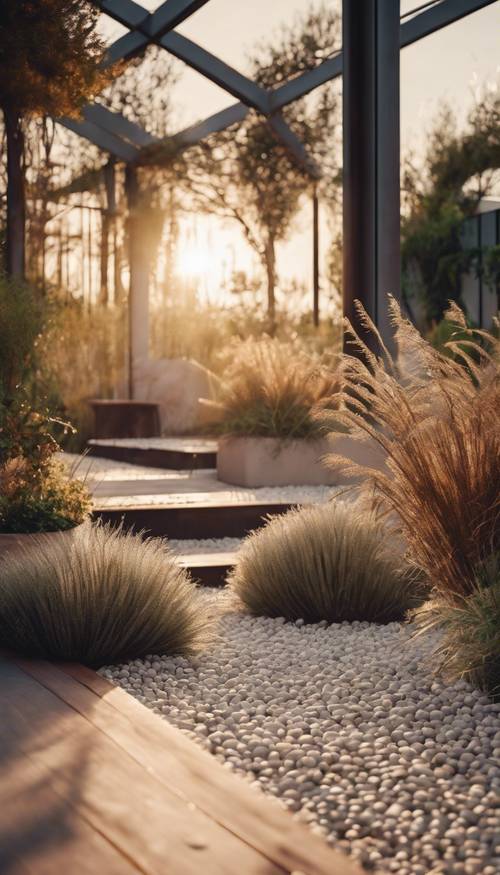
(94, 468)
(207, 545)
(228, 495)
(346, 726)
(188, 444)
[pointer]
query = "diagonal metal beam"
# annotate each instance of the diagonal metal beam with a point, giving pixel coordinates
(127, 12)
(217, 71)
(294, 145)
(117, 125)
(170, 14)
(306, 82)
(217, 122)
(101, 130)
(437, 17)
(103, 139)
(181, 47)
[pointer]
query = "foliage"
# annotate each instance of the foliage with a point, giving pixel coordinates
(99, 336)
(273, 389)
(101, 597)
(36, 494)
(460, 168)
(21, 322)
(437, 419)
(49, 56)
(470, 644)
(326, 562)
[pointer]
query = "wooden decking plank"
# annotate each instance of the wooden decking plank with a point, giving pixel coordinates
(193, 774)
(37, 826)
(160, 833)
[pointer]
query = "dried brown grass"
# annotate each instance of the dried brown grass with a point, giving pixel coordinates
(274, 389)
(437, 417)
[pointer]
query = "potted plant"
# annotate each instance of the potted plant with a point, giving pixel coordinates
(268, 413)
(36, 494)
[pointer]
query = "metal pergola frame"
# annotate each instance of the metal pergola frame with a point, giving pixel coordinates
(373, 35)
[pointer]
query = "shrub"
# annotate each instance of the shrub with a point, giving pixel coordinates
(98, 596)
(327, 562)
(470, 644)
(36, 494)
(438, 420)
(21, 321)
(273, 389)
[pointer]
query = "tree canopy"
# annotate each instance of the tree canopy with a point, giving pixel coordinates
(49, 54)
(460, 168)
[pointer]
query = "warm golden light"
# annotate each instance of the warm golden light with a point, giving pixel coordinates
(195, 260)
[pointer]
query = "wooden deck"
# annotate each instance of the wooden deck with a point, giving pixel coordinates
(93, 783)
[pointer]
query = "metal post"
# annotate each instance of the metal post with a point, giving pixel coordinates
(139, 279)
(371, 158)
(315, 256)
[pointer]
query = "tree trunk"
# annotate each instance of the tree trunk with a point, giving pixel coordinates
(16, 211)
(270, 260)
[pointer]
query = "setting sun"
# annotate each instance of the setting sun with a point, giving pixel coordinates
(194, 260)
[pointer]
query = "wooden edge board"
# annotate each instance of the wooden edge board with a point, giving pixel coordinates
(174, 758)
(101, 782)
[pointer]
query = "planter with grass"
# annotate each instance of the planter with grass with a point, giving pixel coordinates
(269, 409)
(37, 495)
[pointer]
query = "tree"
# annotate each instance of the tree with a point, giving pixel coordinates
(50, 58)
(460, 168)
(246, 173)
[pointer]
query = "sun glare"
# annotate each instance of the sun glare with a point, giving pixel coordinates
(195, 261)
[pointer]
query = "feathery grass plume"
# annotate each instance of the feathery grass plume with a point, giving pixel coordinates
(470, 645)
(325, 562)
(438, 420)
(102, 597)
(273, 389)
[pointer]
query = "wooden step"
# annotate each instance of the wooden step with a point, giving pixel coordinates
(181, 455)
(200, 520)
(209, 569)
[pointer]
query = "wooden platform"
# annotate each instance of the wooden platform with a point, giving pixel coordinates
(181, 454)
(197, 520)
(209, 569)
(92, 783)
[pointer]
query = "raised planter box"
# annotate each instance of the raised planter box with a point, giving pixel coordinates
(254, 461)
(18, 542)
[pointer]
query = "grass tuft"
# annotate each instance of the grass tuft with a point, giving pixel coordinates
(273, 389)
(469, 647)
(438, 420)
(328, 562)
(102, 597)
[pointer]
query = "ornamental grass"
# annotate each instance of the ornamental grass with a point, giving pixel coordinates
(98, 596)
(436, 414)
(273, 389)
(328, 562)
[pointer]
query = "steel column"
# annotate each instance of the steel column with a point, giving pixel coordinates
(371, 158)
(315, 202)
(138, 303)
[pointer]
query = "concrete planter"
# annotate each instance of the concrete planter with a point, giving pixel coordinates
(254, 461)
(20, 542)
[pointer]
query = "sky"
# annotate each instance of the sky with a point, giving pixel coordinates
(450, 65)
